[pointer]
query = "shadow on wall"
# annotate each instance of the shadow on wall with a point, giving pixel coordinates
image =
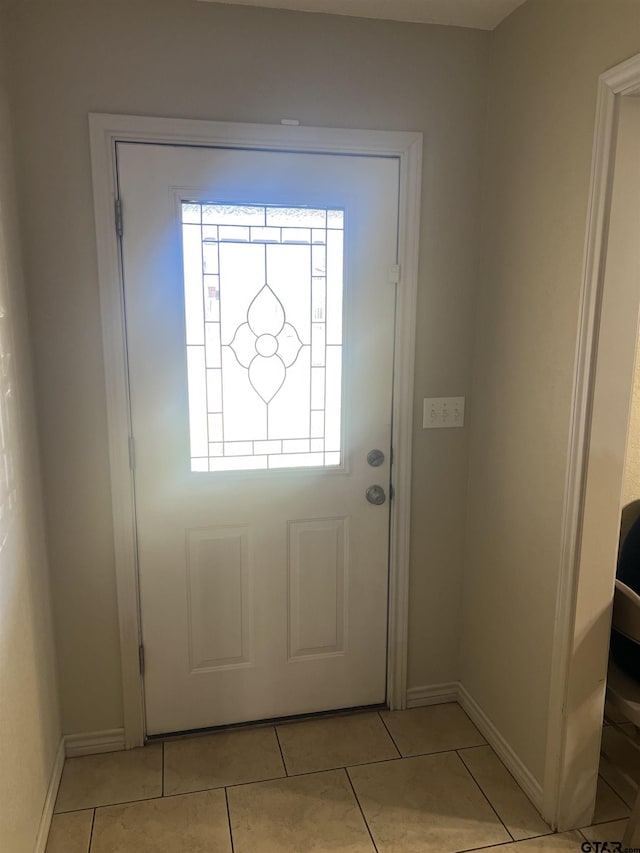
(29, 714)
(629, 515)
(589, 651)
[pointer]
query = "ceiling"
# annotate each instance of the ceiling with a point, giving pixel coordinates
(479, 14)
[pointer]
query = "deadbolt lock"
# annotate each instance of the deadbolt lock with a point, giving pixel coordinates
(375, 458)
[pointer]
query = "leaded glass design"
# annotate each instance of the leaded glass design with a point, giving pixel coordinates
(263, 311)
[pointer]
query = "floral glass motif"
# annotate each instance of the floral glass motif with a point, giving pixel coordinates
(263, 309)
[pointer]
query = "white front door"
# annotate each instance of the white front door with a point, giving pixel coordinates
(259, 322)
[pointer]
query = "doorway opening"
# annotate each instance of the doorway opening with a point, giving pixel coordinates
(598, 444)
(108, 134)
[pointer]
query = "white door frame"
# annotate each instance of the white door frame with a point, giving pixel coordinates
(593, 490)
(105, 131)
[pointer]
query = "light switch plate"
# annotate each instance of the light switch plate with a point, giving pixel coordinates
(442, 412)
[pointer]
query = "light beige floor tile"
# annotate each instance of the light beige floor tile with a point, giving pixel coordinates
(435, 728)
(609, 806)
(629, 730)
(611, 831)
(191, 823)
(616, 743)
(70, 833)
(334, 742)
(115, 777)
(305, 813)
(620, 764)
(515, 810)
(612, 713)
(428, 804)
(620, 782)
(224, 758)
(567, 842)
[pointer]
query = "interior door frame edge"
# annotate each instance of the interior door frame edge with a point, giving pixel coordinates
(107, 129)
(566, 789)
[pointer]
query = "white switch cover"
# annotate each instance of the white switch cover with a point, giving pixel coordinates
(442, 412)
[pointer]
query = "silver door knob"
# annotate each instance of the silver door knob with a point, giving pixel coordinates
(375, 495)
(375, 458)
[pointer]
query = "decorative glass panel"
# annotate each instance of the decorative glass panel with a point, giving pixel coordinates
(263, 292)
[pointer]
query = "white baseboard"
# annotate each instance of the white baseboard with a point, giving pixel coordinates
(50, 800)
(434, 694)
(72, 745)
(521, 773)
(92, 743)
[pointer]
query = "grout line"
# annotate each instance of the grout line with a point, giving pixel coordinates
(488, 846)
(515, 781)
(143, 800)
(226, 799)
(187, 793)
(618, 772)
(73, 811)
(486, 797)
(364, 818)
(284, 763)
(163, 769)
(93, 820)
(601, 822)
(507, 843)
(390, 735)
(271, 779)
(615, 793)
(494, 846)
(374, 761)
(353, 764)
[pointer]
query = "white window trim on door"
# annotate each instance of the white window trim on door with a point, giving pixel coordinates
(105, 131)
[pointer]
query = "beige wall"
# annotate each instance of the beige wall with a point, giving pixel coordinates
(29, 716)
(545, 62)
(187, 59)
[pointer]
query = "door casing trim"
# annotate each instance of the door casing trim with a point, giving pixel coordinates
(105, 130)
(575, 709)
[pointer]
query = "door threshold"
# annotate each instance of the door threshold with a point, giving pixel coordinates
(271, 721)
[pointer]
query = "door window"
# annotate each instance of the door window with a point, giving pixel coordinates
(263, 292)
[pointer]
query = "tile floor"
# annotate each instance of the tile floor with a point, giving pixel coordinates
(394, 782)
(620, 762)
